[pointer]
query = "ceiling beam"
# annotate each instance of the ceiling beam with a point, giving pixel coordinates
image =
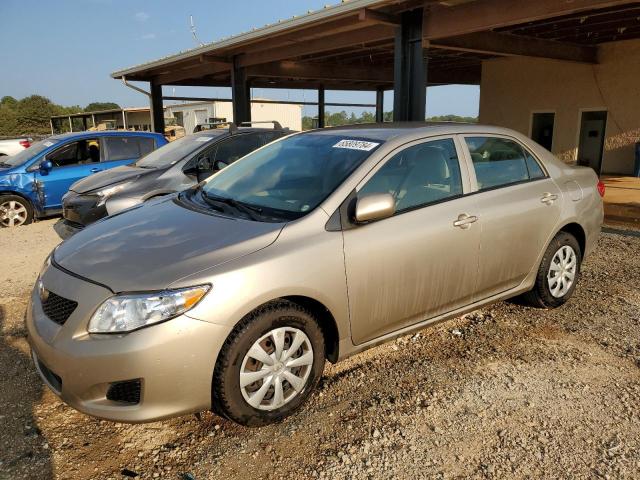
(281, 72)
(506, 44)
(321, 72)
(442, 22)
(280, 76)
(340, 40)
(196, 71)
(372, 16)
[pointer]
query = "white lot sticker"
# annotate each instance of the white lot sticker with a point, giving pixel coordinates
(47, 144)
(203, 139)
(356, 145)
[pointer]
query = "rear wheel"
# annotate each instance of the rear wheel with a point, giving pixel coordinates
(269, 365)
(14, 211)
(558, 273)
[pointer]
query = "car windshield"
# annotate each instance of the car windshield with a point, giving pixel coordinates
(27, 153)
(289, 178)
(176, 150)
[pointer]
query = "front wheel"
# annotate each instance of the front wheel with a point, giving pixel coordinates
(558, 273)
(269, 365)
(14, 211)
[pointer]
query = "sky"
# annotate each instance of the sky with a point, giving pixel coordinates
(67, 49)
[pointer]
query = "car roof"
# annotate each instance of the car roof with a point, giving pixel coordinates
(104, 133)
(227, 131)
(393, 130)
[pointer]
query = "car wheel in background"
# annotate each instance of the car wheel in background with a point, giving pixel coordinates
(269, 365)
(558, 273)
(14, 211)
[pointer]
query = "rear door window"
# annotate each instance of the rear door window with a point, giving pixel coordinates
(127, 148)
(497, 161)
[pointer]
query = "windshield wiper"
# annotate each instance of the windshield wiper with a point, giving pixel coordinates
(249, 210)
(5, 164)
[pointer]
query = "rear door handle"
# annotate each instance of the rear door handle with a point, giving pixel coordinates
(464, 221)
(94, 170)
(549, 198)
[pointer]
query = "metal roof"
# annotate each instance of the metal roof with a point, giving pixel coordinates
(345, 7)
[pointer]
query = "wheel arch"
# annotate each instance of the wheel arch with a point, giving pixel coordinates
(326, 321)
(21, 195)
(578, 232)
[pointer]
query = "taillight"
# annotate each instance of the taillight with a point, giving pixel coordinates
(601, 188)
(25, 143)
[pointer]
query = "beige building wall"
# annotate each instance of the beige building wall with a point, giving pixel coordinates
(513, 88)
(289, 116)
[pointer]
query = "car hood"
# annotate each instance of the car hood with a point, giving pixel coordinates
(109, 177)
(154, 245)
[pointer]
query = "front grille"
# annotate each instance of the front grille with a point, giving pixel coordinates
(58, 308)
(125, 392)
(54, 380)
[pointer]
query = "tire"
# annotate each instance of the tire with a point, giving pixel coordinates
(549, 294)
(15, 211)
(259, 330)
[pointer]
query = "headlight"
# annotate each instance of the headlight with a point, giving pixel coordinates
(105, 193)
(124, 313)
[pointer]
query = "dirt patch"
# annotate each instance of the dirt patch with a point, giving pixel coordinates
(505, 392)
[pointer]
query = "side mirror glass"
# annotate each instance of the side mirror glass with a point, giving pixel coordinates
(374, 206)
(45, 167)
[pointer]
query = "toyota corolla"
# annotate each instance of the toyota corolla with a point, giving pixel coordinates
(232, 295)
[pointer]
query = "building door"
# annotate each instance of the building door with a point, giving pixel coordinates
(542, 128)
(201, 117)
(591, 145)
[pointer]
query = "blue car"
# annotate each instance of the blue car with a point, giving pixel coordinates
(33, 181)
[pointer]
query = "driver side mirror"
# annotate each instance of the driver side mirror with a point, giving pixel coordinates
(374, 206)
(198, 169)
(45, 167)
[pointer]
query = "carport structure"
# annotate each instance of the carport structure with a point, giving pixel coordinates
(399, 45)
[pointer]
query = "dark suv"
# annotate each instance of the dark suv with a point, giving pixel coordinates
(173, 168)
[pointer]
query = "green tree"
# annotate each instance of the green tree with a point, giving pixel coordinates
(30, 115)
(452, 118)
(8, 101)
(97, 106)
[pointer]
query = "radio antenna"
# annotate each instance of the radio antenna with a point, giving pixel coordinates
(193, 32)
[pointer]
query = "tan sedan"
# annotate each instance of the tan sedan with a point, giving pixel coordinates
(231, 295)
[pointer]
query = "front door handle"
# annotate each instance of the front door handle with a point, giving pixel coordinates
(464, 221)
(549, 198)
(94, 170)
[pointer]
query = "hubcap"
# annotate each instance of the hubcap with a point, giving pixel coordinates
(276, 368)
(12, 214)
(562, 272)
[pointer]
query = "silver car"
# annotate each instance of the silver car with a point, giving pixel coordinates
(232, 295)
(179, 165)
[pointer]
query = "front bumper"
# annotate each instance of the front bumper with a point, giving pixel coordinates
(82, 209)
(66, 229)
(172, 361)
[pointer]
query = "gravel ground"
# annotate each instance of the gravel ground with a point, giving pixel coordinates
(505, 392)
